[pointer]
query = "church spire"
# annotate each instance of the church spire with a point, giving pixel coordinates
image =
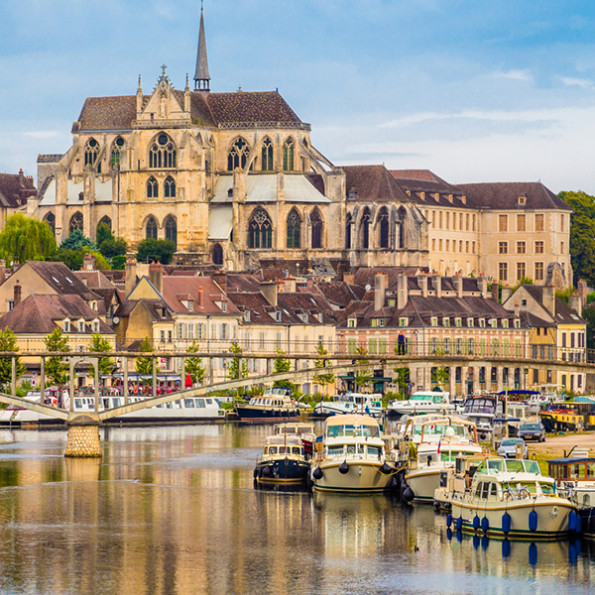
(201, 77)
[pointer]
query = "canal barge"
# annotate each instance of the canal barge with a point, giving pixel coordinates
(275, 404)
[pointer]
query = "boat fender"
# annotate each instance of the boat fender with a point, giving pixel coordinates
(476, 542)
(485, 524)
(459, 536)
(344, 467)
(255, 472)
(448, 520)
(476, 522)
(533, 554)
(394, 483)
(572, 554)
(449, 534)
(266, 471)
(506, 548)
(506, 523)
(533, 521)
(317, 473)
(459, 523)
(579, 524)
(386, 468)
(572, 521)
(407, 494)
(485, 541)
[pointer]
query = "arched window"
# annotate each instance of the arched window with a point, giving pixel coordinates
(316, 223)
(162, 153)
(348, 226)
(91, 152)
(105, 220)
(267, 155)
(294, 229)
(171, 229)
(50, 219)
(151, 228)
(217, 254)
(169, 187)
(365, 230)
(402, 216)
(152, 188)
(116, 151)
(260, 230)
(383, 228)
(288, 155)
(76, 222)
(238, 154)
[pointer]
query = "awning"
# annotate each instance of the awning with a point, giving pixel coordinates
(220, 222)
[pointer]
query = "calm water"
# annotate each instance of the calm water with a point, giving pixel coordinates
(173, 510)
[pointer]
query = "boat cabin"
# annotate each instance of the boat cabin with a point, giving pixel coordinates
(352, 425)
(283, 445)
(572, 469)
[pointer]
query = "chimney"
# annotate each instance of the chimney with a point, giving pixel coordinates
(379, 291)
(17, 293)
(200, 297)
(88, 262)
(156, 275)
(458, 283)
(269, 290)
(581, 287)
(495, 292)
(576, 303)
(506, 291)
(220, 278)
(422, 279)
(130, 275)
(21, 178)
(290, 285)
(437, 285)
(548, 299)
(401, 291)
(483, 287)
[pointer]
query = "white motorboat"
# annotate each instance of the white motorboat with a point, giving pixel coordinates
(283, 461)
(422, 402)
(368, 403)
(351, 457)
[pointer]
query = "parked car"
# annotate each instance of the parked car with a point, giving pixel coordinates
(508, 448)
(532, 431)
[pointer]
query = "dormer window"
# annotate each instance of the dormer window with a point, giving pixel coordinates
(247, 315)
(482, 322)
(458, 322)
(96, 326)
(434, 321)
(470, 322)
(494, 323)
(190, 306)
(505, 323)
(446, 321)
(517, 323)
(351, 322)
(403, 321)
(81, 326)
(66, 326)
(223, 306)
(277, 315)
(522, 200)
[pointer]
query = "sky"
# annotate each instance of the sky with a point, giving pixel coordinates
(475, 91)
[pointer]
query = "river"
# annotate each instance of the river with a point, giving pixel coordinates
(174, 510)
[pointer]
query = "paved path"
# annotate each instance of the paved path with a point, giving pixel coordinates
(554, 446)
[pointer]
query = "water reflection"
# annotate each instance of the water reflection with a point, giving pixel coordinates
(174, 510)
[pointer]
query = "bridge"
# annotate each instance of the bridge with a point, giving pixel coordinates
(83, 427)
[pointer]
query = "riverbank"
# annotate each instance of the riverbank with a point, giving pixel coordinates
(556, 446)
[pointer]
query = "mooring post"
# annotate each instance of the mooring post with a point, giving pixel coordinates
(83, 437)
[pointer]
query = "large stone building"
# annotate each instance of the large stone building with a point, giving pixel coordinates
(233, 179)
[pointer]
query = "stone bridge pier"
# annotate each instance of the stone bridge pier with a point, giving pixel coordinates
(83, 437)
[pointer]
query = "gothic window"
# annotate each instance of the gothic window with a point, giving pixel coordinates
(116, 151)
(91, 152)
(50, 219)
(383, 228)
(316, 223)
(152, 188)
(260, 230)
(402, 216)
(105, 220)
(288, 155)
(151, 228)
(267, 155)
(76, 222)
(162, 153)
(294, 227)
(171, 229)
(169, 187)
(348, 224)
(238, 155)
(365, 230)
(217, 254)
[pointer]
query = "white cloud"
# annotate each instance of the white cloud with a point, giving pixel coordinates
(575, 82)
(515, 75)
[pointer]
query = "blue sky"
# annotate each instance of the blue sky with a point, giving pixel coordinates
(473, 90)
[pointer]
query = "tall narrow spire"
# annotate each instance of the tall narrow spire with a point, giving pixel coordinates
(201, 77)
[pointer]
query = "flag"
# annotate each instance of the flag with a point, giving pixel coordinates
(438, 450)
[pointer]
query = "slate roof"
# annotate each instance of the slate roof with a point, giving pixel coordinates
(505, 195)
(211, 110)
(564, 314)
(61, 278)
(15, 189)
(339, 293)
(373, 183)
(157, 309)
(37, 314)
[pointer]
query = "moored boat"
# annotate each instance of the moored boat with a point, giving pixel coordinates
(422, 402)
(273, 405)
(370, 404)
(304, 430)
(284, 460)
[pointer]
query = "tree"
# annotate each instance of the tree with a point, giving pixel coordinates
(362, 377)
(582, 234)
(113, 247)
(402, 380)
(8, 343)
(323, 379)
(282, 365)
(76, 240)
(98, 345)
(156, 250)
(589, 315)
(103, 233)
(237, 367)
(56, 368)
(144, 363)
(193, 365)
(74, 258)
(24, 238)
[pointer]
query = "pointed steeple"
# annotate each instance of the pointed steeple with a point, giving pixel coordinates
(201, 77)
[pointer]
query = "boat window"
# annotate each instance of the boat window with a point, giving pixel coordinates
(296, 450)
(515, 465)
(590, 470)
(266, 450)
(200, 403)
(349, 430)
(189, 403)
(284, 449)
(78, 404)
(273, 450)
(335, 450)
(374, 451)
(493, 489)
(577, 471)
(547, 488)
(495, 466)
(209, 401)
(586, 501)
(532, 467)
(530, 486)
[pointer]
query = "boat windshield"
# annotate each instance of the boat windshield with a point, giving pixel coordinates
(444, 430)
(517, 465)
(352, 430)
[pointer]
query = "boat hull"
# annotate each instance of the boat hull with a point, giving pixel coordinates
(361, 477)
(423, 482)
(249, 413)
(281, 470)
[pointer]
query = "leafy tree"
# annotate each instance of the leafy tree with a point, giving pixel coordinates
(362, 377)
(8, 342)
(99, 345)
(24, 238)
(582, 234)
(74, 259)
(144, 363)
(56, 367)
(323, 379)
(156, 250)
(119, 262)
(103, 233)
(402, 380)
(77, 239)
(193, 365)
(113, 247)
(282, 365)
(237, 367)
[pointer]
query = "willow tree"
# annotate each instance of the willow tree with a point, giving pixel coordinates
(24, 238)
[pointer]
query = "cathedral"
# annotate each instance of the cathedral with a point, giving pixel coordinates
(234, 180)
